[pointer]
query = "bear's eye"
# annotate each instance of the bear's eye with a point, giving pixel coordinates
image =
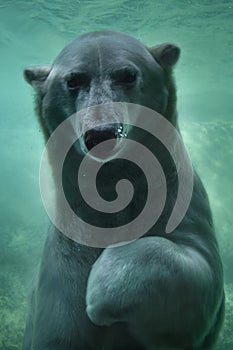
(77, 80)
(125, 76)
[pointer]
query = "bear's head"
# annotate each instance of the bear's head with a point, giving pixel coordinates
(99, 68)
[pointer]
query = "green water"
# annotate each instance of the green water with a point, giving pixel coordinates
(33, 32)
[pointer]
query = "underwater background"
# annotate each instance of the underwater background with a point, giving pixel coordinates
(33, 33)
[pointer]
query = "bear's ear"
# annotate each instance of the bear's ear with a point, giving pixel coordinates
(36, 76)
(166, 54)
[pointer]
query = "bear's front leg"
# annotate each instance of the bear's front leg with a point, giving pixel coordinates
(158, 288)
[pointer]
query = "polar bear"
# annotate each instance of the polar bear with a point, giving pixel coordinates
(162, 291)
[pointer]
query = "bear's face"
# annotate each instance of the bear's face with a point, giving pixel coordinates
(100, 68)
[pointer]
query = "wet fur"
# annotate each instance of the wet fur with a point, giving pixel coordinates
(163, 291)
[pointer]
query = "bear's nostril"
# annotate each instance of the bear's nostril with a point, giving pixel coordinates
(96, 136)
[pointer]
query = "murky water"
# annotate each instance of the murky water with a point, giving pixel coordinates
(33, 32)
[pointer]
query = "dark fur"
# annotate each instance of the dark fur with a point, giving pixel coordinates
(163, 291)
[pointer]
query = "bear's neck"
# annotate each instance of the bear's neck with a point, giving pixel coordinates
(109, 175)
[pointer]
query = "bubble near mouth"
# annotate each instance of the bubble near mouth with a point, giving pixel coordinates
(121, 133)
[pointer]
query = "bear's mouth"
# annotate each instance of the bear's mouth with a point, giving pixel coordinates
(103, 142)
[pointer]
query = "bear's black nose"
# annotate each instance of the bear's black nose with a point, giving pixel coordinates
(96, 136)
